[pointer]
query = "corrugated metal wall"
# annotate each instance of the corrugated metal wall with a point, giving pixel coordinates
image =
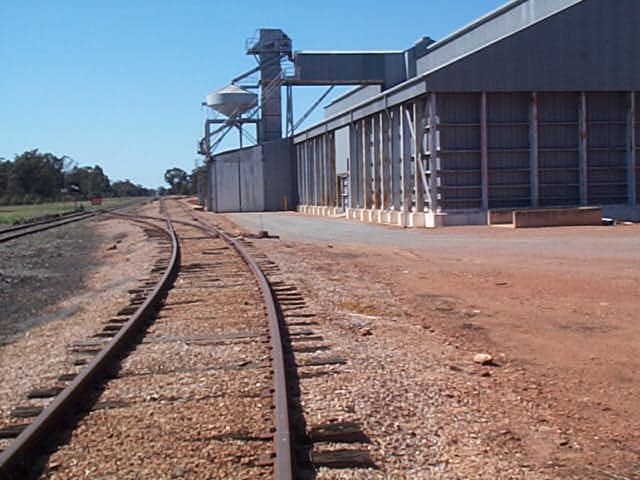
(508, 149)
(561, 160)
(558, 157)
(636, 145)
(460, 151)
(606, 147)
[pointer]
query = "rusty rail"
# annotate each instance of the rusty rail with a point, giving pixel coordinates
(283, 464)
(29, 228)
(15, 461)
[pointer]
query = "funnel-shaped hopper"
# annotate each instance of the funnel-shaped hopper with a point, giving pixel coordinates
(232, 100)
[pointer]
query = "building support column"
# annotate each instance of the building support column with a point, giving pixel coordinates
(415, 125)
(385, 153)
(533, 150)
(582, 149)
(375, 156)
(484, 152)
(313, 171)
(366, 163)
(354, 171)
(631, 150)
(434, 161)
(396, 159)
(303, 173)
(405, 156)
(310, 170)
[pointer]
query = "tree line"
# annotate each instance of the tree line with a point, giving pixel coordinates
(183, 183)
(36, 177)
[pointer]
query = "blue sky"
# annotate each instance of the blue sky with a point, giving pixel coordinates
(119, 83)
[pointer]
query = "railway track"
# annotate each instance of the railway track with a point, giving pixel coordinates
(203, 395)
(18, 231)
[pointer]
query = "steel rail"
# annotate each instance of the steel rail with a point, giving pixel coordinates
(283, 463)
(16, 460)
(28, 229)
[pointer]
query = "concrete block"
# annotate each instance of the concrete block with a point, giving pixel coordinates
(500, 217)
(554, 217)
(416, 219)
(449, 219)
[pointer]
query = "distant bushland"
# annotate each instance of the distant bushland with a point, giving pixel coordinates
(34, 177)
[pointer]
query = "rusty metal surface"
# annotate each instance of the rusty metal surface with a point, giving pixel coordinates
(282, 439)
(61, 411)
(283, 463)
(27, 229)
(16, 460)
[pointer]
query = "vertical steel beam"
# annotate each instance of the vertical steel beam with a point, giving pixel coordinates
(366, 163)
(353, 169)
(396, 158)
(307, 167)
(405, 157)
(631, 150)
(305, 197)
(434, 161)
(533, 150)
(321, 171)
(325, 189)
(582, 149)
(357, 171)
(317, 157)
(299, 172)
(484, 151)
(314, 171)
(377, 161)
(385, 170)
(418, 128)
(312, 167)
(302, 156)
(331, 174)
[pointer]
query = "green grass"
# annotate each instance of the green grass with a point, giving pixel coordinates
(13, 213)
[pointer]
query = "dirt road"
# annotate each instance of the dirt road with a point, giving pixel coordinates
(559, 310)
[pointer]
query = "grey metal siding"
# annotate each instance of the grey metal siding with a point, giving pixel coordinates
(606, 148)
(591, 46)
(508, 149)
(350, 99)
(558, 149)
(280, 173)
(637, 146)
(505, 21)
(459, 134)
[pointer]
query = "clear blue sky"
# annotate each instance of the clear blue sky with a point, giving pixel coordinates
(119, 83)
